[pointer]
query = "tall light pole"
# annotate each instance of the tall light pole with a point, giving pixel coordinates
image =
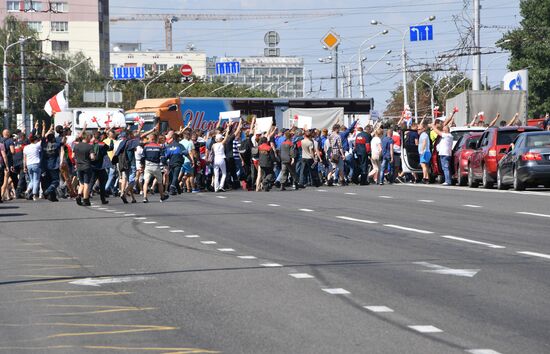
(487, 70)
(150, 82)
(187, 88)
(5, 79)
(224, 86)
(388, 52)
(67, 73)
(403, 54)
(336, 71)
(360, 61)
(476, 67)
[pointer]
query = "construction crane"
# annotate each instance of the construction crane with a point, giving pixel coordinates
(169, 19)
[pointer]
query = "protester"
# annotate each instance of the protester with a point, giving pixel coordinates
(31, 166)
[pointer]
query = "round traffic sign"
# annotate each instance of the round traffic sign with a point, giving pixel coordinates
(186, 70)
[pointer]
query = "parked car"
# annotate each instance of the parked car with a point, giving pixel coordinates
(492, 146)
(464, 147)
(459, 132)
(527, 163)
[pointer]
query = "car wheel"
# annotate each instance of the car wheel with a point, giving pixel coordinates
(485, 179)
(518, 185)
(500, 183)
(471, 180)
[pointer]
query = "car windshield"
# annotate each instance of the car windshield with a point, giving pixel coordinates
(148, 125)
(458, 134)
(473, 140)
(506, 137)
(538, 141)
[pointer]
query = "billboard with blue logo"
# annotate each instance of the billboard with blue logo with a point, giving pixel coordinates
(203, 113)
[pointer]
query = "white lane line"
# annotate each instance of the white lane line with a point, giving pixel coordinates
(221, 197)
(385, 197)
(226, 250)
(351, 193)
(140, 218)
(208, 242)
(247, 257)
(420, 231)
(301, 276)
(533, 214)
(336, 291)
(358, 220)
(95, 206)
(129, 214)
(177, 231)
(378, 308)
(472, 206)
(271, 265)
(472, 241)
(425, 201)
(102, 209)
(273, 205)
(162, 227)
(119, 212)
(426, 329)
(535, 254)
(321, 190)
(306, 210)
(109, 210)
(149, 222)
(192, 236)
(247, 201)
(482, 351)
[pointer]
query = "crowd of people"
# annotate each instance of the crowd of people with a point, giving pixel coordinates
(127, 163)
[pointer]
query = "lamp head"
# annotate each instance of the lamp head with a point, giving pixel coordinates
(385, 31)
(372, 46)
(389, 51)
(374, 22)
(431, 18)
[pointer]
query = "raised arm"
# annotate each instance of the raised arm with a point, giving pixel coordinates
(473, 122)
(494, 121)
(149, 131)
(513, 120)
(423, 119)
(227, 130)
(449, 120)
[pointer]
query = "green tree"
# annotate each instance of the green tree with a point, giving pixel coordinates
(530, 48)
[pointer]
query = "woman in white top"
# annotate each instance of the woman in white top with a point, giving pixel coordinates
(376, 150)
(218, 149)
(31, 164)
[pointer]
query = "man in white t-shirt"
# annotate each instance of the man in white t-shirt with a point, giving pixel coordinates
(445, 150)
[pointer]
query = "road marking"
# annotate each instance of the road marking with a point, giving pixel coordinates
(425, 201)
(177, 231)
(140, 218)
(409, 229)
(472, 206)
(247, 201)
(306, 210)
(208, 242)
(351, 193)
(336, 291)
(226, 250)
(472, 241)
(448, 271)
(321, 190)
(129, 214)
(149, 222)
(221, 197)
(426, 329)
(271, 265)
(385, 197)
(358, 220)
(110, 210)
(535, 254)
(192, 236)
(273, 205)
(64, 294)
(99, 281)
(119, 212)
(246, 257)
(101, 208)
(533, 214)
(301, 276)
(378, 308)
(96, 309)
(95, 206)
(162, 227)
(482, 351)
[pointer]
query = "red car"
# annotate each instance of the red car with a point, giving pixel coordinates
(492, 146)
(464, 147)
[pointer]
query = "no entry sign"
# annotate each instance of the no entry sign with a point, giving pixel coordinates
(186, 70)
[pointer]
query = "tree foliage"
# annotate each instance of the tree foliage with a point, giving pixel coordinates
(530, 48)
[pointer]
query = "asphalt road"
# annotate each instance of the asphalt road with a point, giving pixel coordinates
(375, 269)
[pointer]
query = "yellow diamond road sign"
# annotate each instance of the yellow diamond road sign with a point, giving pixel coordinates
(331, 40)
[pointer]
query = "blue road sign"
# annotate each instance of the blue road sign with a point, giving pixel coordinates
(228, 67)
(129, 73)
(422, 33)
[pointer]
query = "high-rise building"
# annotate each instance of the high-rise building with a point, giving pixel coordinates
(283, 76)
(66, 26)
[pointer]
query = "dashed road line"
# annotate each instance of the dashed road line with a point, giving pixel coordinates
(129, 214)
(533, 214)
(226, 250)
(306, 210)
(482, 351)
(425, 201)
(246, 201)
(351, 193)
(119, 212)
(336, 291)
(140, 218)
(420, 231)
(208, 242)
(247, 257)
(357, 220)
(301, 276)
(385, 197)
(378, 308)
(321, 190)
(271, 265)
(149, 222)
(425, 329)
(273, 205)
(192, 236)
(472, 206)
(535, 254)
(490, 245)
(221, 197)
(162, 227)
(177, 231)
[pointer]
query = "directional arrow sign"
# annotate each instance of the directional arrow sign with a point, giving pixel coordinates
(448, 271)
(100, 281)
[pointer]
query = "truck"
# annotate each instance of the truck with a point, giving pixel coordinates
(92, 117)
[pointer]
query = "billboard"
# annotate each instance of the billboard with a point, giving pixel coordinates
(203, 114)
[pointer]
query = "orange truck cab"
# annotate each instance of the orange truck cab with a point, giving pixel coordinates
(163, 111)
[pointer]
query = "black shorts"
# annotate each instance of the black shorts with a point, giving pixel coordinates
(85, 176)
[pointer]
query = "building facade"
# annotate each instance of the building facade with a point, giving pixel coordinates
(130, 54)
(283, 76)
(66, 26)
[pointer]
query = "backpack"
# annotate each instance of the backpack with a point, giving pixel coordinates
(123, 161)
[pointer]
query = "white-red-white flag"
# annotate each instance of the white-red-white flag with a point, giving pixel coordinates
(57, 103)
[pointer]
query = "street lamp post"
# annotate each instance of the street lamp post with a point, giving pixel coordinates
(5, 79)
(224, 86)
(487, 70)
(150, 82)
(360, 61)
(388, 52)
(67, 72)
(403, 54)
(187, 88)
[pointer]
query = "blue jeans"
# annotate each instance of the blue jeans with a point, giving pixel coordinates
(446, 165)
(385, 163)
(52, 180)
(110, 185)
(34, 179)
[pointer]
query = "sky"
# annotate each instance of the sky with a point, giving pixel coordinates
(350, 19)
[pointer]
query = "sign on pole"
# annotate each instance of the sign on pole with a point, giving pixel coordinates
(330, 40)
(422, 33)
(228, 67)
(186, 70)
(129, 73)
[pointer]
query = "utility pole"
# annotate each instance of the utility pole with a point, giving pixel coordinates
(336, 71)
(23, 88)
(476, 70)
(349, 82)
